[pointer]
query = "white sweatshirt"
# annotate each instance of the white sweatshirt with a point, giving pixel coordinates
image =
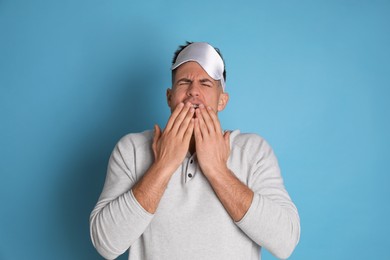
(190, 221)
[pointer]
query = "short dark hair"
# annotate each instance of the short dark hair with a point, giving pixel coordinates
(181, 47)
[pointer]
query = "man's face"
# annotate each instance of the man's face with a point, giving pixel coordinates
(192, 84)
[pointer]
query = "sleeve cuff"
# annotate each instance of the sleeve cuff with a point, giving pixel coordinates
(243, 220)
(138, 208)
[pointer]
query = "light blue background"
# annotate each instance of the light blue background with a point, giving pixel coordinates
(312, 77)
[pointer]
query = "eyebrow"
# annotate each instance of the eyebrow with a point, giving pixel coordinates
(187, 80)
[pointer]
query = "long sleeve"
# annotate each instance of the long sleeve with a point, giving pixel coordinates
(272, 221)
(118, 220)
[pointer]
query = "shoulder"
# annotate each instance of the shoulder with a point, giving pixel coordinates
(136, 140)
(248, 141)
(253, 145)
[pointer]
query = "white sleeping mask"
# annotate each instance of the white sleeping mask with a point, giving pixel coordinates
(206, 56)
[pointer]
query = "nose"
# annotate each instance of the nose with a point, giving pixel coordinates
(193, 90)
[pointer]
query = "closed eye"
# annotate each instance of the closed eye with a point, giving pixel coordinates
(206, 82)
(184, 82)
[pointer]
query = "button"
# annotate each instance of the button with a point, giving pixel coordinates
(190, 175)
(191, 161)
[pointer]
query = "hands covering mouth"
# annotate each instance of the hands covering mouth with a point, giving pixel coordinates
(196, 106)
(195, 103)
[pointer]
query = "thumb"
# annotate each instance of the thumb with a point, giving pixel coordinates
(157, 133)
(226, 136)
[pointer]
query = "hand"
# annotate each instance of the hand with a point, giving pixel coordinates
(212, 146)
(171, 145)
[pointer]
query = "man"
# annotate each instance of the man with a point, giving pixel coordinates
(193, 191)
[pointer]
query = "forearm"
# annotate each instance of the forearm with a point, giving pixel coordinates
(169, 148)
(272, 224)
(235, 196)
(269, 221)
(116, 224)
(150, 188)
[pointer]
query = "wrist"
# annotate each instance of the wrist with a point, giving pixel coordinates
(164, 168)
(215, 170)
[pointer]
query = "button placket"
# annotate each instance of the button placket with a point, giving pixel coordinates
(191, 169)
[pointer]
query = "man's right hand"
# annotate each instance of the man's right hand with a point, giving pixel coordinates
(171, 145)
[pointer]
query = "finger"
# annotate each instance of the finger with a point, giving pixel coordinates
(186, 121)
(214, 118)
(197, 132)
(157, 133)
(156, 137)
(189, 131)
(173, 116)
(180, 117)
(202, 125)
(207, 120)
(226, 136)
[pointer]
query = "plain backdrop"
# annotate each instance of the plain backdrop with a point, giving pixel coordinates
(311, 77)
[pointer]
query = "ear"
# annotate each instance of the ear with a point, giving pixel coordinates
(169, 97)
(223, 100)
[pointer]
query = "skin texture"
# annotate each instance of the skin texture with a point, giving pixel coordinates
(199, 130)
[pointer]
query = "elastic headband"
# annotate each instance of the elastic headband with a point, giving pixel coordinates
(206, 56)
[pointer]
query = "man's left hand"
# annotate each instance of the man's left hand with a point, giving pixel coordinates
(212, 145)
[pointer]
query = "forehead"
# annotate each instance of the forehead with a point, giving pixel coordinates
(191, 70)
